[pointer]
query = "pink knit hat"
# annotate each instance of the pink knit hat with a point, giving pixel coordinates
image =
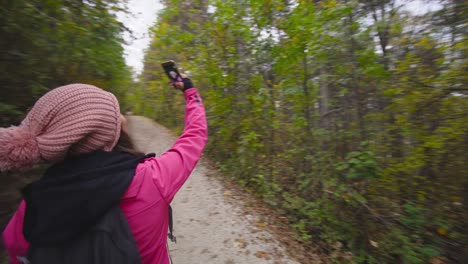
(72, 119)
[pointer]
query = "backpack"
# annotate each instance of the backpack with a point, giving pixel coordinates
(108, 241)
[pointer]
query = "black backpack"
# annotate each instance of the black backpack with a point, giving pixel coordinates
(109, 241)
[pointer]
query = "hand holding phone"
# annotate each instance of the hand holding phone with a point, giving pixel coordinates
(178, 80)
(171, 71)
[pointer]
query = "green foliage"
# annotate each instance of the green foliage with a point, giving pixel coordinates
(347, 116)
(6, 109)
(359, 165)
(46, 44)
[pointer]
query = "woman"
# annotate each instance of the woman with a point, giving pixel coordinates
(79, 129)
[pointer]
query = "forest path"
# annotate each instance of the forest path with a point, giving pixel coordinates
(210, 224)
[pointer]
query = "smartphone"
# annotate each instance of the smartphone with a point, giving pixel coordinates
(171, 71)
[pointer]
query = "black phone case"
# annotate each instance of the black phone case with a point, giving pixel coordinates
(171, 71)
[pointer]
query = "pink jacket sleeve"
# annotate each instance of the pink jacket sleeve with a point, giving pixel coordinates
(13, 239)
(171, 170)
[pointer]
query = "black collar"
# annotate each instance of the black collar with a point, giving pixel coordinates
(73, 194)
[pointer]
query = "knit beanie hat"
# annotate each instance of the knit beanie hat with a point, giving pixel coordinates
(68, 120)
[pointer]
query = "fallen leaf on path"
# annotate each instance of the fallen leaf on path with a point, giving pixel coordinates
(261, 254)
(240, 243)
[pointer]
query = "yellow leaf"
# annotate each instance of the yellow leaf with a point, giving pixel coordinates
(441, 231)
(261, 254)
(329, 4)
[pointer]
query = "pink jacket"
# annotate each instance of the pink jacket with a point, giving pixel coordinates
(146, 201)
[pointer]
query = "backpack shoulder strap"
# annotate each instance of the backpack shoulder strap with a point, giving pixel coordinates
(171, 226)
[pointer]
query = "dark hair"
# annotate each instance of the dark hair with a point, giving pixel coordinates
(125, 144)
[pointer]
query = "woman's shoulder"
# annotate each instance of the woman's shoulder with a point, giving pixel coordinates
(144, 172)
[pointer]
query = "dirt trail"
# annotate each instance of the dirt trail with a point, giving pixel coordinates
(209, 227)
